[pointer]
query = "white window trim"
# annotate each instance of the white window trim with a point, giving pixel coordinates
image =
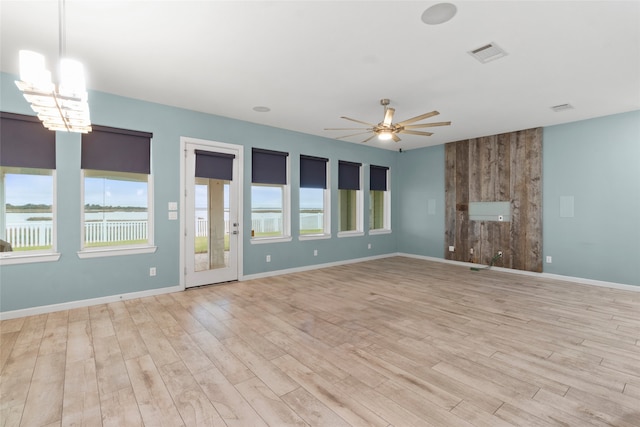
(386, 229)
(314, 236)
(262, 240)
(11, 258)
(286, 212)
(350, 233)
(359, 231)
(46, 255)
(326, 213)
(116, 251)
(105, 251)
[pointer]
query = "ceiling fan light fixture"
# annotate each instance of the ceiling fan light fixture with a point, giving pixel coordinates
(385, 135)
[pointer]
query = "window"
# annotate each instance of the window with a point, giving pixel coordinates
(379, 206)
(117, 190)
(27, 190)
(314, 197)
(349, 198)
(270, 198)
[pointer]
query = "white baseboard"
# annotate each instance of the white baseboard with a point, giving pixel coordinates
(578, 280)
(32, 311)
(314, 267)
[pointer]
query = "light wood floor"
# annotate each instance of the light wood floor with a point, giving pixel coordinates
(399, 341)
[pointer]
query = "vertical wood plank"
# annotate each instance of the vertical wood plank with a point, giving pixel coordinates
(462, 201)
(475, 171)
(450, 198)
(534, 211)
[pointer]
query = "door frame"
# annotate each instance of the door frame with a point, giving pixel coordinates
(212, 145)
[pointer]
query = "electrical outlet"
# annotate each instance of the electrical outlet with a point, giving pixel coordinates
(152, 271)
(369, 246)
(549, 260)
(452, 249)
(471, 251)
(499, 253)
(268, 258)
(315, 252)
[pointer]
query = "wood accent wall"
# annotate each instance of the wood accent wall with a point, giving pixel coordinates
(498, 168)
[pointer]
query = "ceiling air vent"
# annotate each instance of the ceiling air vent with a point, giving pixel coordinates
(487, 53)
(562, 107)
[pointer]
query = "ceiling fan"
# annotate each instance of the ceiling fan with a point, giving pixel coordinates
(386, 129)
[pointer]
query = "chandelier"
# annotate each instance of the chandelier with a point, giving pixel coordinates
(63, 107)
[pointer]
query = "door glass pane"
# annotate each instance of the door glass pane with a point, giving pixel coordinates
(212, 224)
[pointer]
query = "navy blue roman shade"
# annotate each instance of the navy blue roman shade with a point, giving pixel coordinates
(214, 165)
(348, 175)
(313, 172)
(378, 178)
(26, 143)
(268, 167)
(118, 150)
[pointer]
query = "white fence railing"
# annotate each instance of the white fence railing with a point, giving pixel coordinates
(41, 234)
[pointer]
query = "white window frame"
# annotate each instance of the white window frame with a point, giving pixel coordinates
(44, 255)
(286, 211)
(103, 251)
(326, 213)
(359, 231)
(386, 228)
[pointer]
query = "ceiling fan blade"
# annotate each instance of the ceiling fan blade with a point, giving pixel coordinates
(357, 121)
(345, 128)
(388, 116)
(418, 118)
(427, 125)
(415, 132)
(395, 137)
(369, 139)
(353, 134)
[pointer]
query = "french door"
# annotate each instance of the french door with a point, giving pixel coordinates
(212, 217)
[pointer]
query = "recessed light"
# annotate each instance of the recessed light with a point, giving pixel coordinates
(439, 13)
(261, 109)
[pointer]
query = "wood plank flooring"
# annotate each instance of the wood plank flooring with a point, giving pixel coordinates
(392, 342)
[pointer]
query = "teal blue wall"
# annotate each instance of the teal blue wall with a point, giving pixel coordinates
(595, 161)
(421, 181)
(72, 279)
(598, 163)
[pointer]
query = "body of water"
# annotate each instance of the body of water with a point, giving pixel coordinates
(23, 218)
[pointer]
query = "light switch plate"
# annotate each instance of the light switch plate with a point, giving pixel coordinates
(173, 215)
(173, 206)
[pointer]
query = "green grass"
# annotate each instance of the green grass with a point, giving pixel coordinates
(31, 248)
(318, 231)
(203, 242)
(117, 243)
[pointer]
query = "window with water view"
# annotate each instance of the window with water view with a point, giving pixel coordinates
(27, 208)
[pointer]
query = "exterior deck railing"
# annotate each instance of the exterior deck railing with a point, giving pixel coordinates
(24, 236)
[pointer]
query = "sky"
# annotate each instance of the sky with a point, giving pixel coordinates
(37, 189)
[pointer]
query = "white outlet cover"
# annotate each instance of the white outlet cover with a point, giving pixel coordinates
(452, 249)
(173, 215)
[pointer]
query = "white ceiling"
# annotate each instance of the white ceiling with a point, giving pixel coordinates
(311, 62)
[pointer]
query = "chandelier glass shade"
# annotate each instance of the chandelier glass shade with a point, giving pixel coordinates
(61, 108)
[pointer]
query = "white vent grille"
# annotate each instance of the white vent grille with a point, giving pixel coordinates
(562, 107)
(487, 53)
